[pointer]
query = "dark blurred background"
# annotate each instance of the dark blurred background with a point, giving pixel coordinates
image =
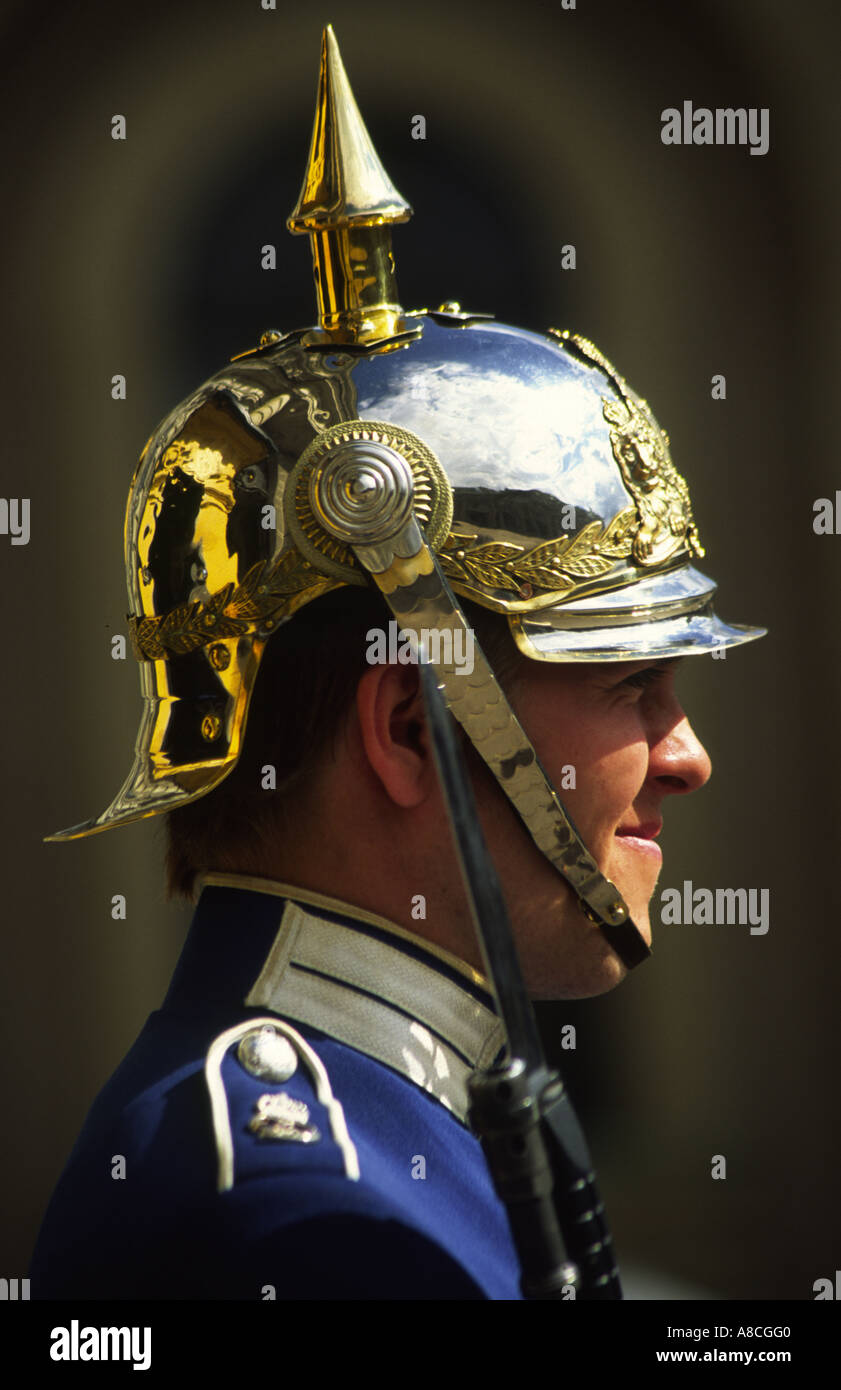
(142, 257)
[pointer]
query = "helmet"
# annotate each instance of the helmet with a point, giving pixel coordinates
(435, 453)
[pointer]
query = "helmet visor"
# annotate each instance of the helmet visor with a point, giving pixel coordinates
(667, 615)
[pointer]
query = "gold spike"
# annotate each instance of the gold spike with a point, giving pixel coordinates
(345, 181)
(347, 205)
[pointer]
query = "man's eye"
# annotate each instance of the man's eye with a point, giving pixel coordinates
(641, 679)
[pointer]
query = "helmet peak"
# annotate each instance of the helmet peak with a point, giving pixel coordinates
(347, 205)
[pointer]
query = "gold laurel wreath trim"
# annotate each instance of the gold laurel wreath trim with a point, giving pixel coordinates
(262, 597)
(552, 565)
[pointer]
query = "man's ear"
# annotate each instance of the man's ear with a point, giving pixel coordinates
(392, 725)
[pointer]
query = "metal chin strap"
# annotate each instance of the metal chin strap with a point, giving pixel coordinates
(361, 494)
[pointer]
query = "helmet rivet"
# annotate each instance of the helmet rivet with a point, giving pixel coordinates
(269, 623)
(450, 306)
(220, 657)
(211, 727)
(617, 910)
(146, 574)
(460, 554)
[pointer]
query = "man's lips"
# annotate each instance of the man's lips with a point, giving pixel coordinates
(641, 839)
(647, 830)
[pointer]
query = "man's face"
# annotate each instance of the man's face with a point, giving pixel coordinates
(620, 726)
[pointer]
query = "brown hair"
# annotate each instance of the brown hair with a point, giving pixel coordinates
(304, 690)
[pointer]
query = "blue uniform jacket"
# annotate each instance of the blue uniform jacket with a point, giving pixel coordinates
(291, 1122)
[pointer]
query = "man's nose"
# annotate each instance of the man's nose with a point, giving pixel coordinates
(678, 761)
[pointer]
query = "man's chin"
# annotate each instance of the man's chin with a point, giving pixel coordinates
(587, 968)
(603, 969)
(565, 955)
